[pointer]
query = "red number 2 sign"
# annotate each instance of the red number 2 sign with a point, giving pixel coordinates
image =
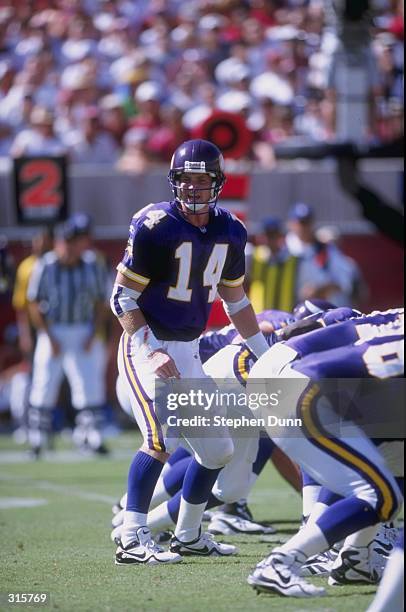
(45, 191)
(40, 188)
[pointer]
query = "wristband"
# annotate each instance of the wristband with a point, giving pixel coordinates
(231, 308)
(257, 344)
(144, 337)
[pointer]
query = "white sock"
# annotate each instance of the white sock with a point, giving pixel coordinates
(189, 520)
(160, 494)
(361, 538)
(310, 541)
(159, 518)
(132, 522)
(310, 494)
(318, 509)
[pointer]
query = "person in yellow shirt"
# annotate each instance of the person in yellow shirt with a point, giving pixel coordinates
(41, 243)
(273, 271)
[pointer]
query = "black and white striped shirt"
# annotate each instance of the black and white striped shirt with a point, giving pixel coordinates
(68, 294)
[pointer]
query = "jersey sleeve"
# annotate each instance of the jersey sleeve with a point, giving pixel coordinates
(234, 267)
(138, 260)
(336, 315)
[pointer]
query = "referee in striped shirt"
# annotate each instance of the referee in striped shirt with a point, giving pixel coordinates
(67, 304)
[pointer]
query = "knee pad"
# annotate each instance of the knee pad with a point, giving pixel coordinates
(224, 453)
(387, 506)
(217, 454)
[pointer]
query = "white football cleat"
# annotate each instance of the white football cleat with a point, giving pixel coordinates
(118, 518)
(229, 524)
(280, 573)
(356, 566)
(143, 550)
(319, 565)
(115, 535)
(385, 539)
(203, 546)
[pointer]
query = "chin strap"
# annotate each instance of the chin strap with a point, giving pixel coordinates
(187, 211)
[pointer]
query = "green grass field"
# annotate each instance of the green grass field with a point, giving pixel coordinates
(63, 546)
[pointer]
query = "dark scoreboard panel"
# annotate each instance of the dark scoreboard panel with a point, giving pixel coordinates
(40, 187)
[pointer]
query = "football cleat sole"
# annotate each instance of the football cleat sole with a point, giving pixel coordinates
(222, 526)
(262, 585)
(125, 559)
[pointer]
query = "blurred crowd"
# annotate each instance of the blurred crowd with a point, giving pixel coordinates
(124, 82)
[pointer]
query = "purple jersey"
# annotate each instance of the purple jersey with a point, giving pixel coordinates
(379, 357)
(211, 342)
(377, 324)
(181, 266)
(338, 314)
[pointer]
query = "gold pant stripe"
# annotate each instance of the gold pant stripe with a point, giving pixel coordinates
(144, 404)
(343, 453)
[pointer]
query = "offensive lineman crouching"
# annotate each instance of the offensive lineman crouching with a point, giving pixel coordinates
(179, 255)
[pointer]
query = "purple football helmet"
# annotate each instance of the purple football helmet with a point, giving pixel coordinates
(197, 157)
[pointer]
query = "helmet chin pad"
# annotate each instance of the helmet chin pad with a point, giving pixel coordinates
(193, 207)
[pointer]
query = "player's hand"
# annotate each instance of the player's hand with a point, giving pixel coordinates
(163, 364)
(298, 328)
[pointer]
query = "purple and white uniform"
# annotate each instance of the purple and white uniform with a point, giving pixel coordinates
(181, 267)
(348, 464)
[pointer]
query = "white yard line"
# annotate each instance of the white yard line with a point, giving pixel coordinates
(60, 456)
(20, 502)
(46, 485)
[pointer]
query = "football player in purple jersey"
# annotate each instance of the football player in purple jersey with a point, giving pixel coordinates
(349, 464)
(268, 321)
(179, 255)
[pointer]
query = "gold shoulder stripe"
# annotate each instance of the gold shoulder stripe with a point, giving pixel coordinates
(143, 280)
(232, 283)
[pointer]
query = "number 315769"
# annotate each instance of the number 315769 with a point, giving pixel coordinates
(27, 598)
